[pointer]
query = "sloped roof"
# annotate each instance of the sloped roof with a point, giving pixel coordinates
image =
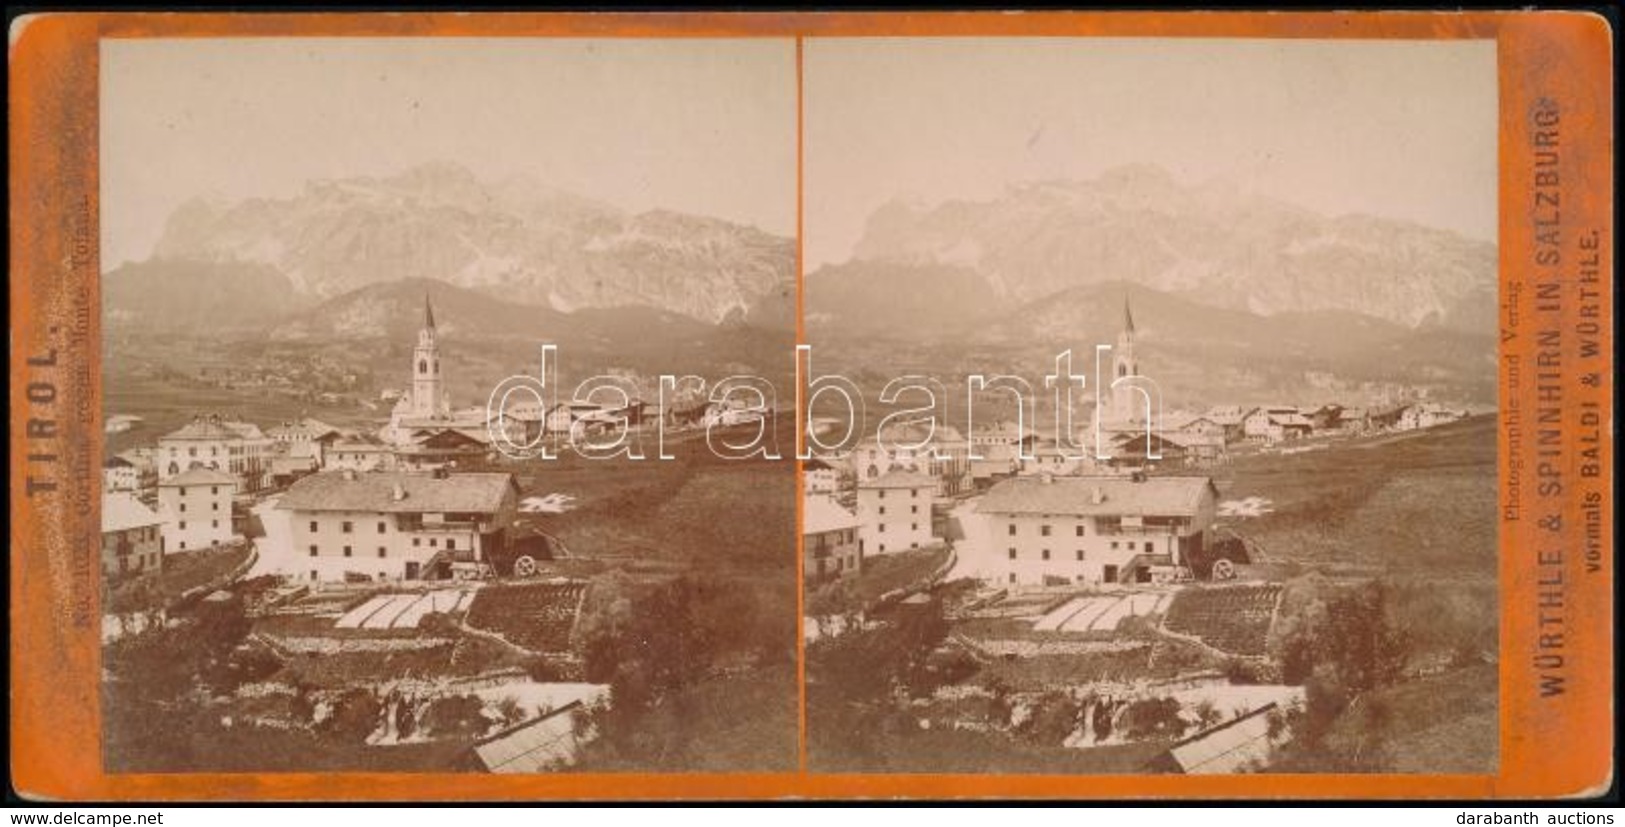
(375, 492)
(201, 476)
(1293, 420)
(547, 743)
(202, 429)
(121, 511)
(900, 479)
(1227, 748)
(825, 514)
(1161, 496)
(307, 427)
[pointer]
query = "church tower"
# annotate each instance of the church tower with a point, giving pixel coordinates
(1128, 405)
(428, 396)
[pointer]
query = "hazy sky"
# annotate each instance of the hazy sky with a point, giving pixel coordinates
(1398, 129)
(701, 126)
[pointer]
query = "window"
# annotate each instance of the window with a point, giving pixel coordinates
(1080, 554)
(1012, 529)
(214, 523)
(882, 509)
(183, 525)
(183, 508)
(347, 527)
(913, 509)
(451, 544)
(1012, 577)
(882, 528)
(313, 551)
(1046, 554)
(183, 491)
(383, 552)
(214, 506)
(346, 551)
(435, 543)
(1012, 554)
(913, 526)
(183, 545)
(313, 574)
(214, 489)
(882, 493)
(1043, 530)
(383, 528)
(417, 541)
(191, 452)
(312, 525)
(914, 492)
(1079, 529)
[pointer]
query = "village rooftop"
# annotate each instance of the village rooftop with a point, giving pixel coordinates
(756, 399)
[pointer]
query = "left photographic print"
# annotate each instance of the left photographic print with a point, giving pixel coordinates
(440, 430)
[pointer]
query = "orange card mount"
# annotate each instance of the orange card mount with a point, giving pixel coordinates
(257, 481)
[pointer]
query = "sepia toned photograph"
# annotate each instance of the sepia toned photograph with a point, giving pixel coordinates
(1154, 406)
(420, 449)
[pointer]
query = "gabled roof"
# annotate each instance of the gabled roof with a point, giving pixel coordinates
(900, 479)
(203, 429)
(825, 514)
(1157, 496)
(121, 511)
(200, 476)
(377, 492)
(308, 428)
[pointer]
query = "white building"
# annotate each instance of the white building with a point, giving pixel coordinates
(894, 510)
(304, 438)
(119, 474)
(197, 507)
(237, 448)
(359, 454)
(345, 525)
(820, 477)
(1096, 530)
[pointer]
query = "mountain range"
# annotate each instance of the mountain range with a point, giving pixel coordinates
(516, 239)
(1212, 243)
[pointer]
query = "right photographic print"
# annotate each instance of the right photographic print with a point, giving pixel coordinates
(1153, 406)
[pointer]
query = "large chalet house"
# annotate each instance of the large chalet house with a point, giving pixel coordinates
(345, 526)
(240, 449)
(937, 450)
(1094, 530)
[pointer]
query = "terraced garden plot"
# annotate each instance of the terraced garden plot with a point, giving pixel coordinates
(1101, 612)
(536, 616)
(1233, 619)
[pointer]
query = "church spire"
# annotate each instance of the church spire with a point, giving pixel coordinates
(428, 312)
(1128, 317)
